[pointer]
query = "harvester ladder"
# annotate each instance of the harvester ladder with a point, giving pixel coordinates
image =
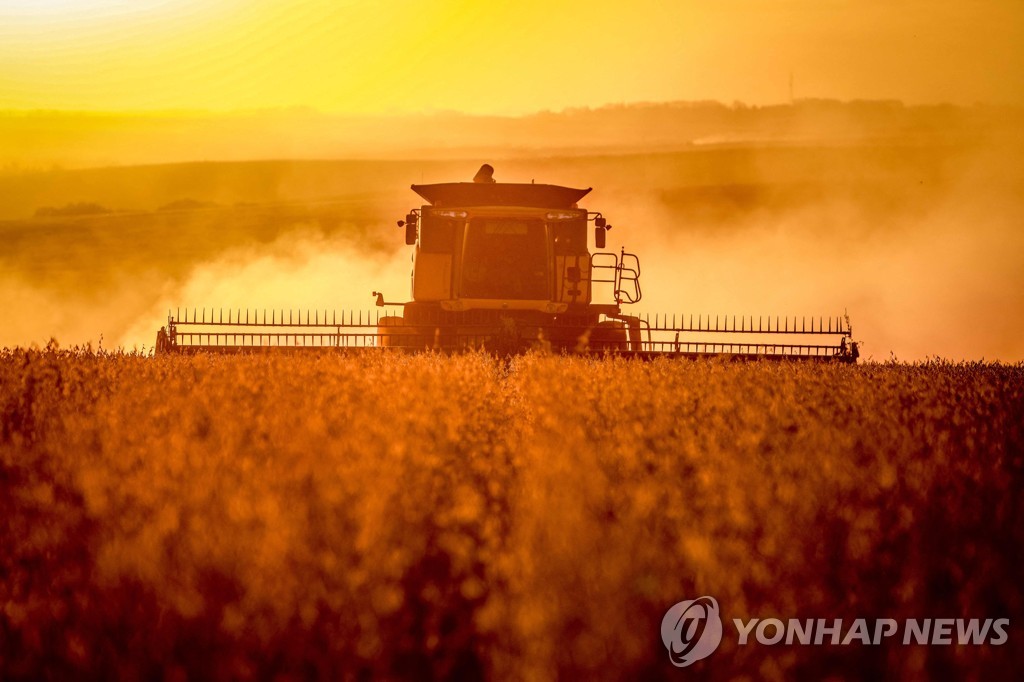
(621, 271)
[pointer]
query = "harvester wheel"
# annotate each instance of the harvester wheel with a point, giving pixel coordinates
(609, 336)
(393, 333)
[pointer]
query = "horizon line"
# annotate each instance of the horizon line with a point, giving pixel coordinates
(637, 104)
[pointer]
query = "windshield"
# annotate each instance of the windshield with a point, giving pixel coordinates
(505, 258)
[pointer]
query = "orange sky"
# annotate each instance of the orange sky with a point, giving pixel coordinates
(373, 56)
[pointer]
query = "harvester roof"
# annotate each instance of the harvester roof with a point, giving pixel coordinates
(500, 194)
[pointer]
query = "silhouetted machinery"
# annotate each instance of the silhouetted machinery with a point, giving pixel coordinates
(507, 267)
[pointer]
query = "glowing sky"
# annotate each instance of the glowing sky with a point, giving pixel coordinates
(370, 56)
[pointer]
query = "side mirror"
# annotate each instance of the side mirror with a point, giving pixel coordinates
(410, 227)
(599, 235)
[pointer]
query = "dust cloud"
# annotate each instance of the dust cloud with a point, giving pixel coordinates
(934, 273)
(932, 290)
(302, 269)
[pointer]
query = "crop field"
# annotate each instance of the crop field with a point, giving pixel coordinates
(391, 516)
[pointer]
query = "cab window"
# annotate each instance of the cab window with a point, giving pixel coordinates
(437, 234)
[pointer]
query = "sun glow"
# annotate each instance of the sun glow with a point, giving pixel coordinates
(93, 29)
(359, 56)
(81, 8)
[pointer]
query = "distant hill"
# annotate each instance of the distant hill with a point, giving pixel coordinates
(166, 217)
(42, 140)
(197, 186)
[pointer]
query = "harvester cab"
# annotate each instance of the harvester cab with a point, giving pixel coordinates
(506, 267)
(496, 263)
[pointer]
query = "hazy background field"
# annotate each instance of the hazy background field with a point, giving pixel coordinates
(908, 218)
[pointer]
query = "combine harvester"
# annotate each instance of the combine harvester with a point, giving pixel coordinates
(506, 267)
